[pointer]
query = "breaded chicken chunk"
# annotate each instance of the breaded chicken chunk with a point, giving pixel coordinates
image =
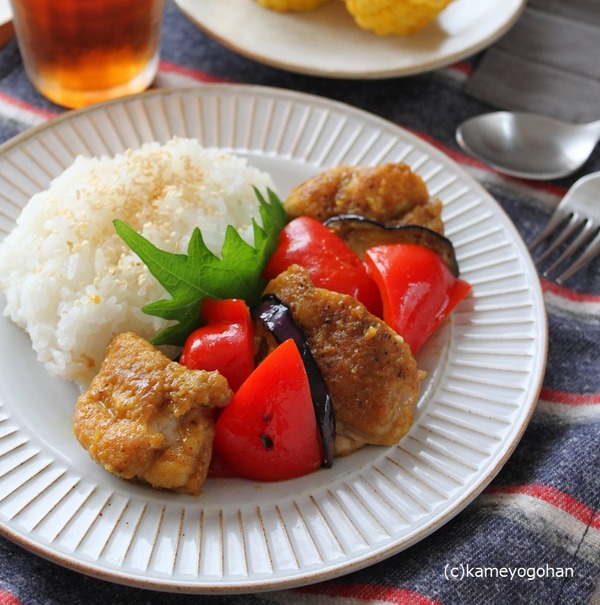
(148, 418)
(389, 193)
(371, 373)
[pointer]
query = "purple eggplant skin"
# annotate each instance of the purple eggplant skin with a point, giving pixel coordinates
(361, 233)
(277, 318)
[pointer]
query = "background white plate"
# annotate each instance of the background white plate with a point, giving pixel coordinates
(327, 42)
(485, 367)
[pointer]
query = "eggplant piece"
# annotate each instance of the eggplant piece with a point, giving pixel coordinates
(361, 233)
(277, 318)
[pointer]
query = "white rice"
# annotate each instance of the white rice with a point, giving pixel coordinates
(69, 279)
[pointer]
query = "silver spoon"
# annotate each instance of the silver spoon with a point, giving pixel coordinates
(528, 145)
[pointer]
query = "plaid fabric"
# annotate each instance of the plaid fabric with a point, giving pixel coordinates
(540, 517)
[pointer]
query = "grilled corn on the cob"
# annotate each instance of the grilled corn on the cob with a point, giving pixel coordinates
(395, 17)
(291, 5)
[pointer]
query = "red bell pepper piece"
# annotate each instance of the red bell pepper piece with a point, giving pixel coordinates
(331, 263)
(225, 343)
(417, 288)
(268, 432)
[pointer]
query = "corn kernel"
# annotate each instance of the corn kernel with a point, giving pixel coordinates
(395, 17)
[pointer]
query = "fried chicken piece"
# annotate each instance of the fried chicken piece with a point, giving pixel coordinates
(390, 194)
(371, 373)
(148, 418)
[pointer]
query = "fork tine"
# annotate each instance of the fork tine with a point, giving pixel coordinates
(569, 228)
(590, 253)
(577, 244)
(555, 221)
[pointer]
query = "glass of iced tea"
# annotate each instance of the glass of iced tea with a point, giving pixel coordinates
(78, 52)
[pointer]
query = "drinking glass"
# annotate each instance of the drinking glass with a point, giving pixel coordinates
(78, 52)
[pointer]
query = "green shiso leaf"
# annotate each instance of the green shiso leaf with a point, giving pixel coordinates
(199, 274)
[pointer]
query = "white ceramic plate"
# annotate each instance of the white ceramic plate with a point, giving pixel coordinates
(327, 42)
(485, 371)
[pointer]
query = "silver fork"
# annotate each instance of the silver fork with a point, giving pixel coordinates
(578, 217)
